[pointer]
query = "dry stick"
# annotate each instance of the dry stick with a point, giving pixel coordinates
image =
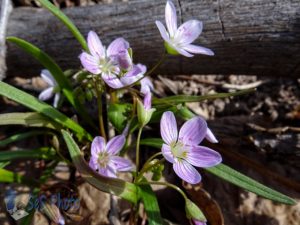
(6, 8)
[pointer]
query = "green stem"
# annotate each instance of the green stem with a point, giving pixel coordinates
(137, 156)
(168, 185)
(147, 167)
(100, 115)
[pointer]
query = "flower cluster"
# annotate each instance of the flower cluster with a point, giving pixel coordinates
(114, 63)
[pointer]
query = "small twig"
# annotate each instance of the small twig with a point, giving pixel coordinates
(276, 130)
(6, 8)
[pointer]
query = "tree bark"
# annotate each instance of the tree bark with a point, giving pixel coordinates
(260, 37)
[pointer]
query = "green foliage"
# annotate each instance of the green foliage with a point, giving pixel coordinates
(7, 176)
(178, 99)
(119, 114)
(151, 205)
(41, 107)
(30, 119)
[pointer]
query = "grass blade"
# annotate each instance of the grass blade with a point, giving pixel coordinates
(41, 107)
(178, 99)
(7, 176)
(40, 153)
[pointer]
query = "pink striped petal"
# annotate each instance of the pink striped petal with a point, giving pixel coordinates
(121, 164)
(187, 172)
(146, 85)
(56, 99)
(46, 94)
(168, 128)
(162, 31)
(93, 164)
(188, 32)
(197, 222)
(132, 76)
(108, 171)
(98, 146)
(193, 131)
(115, 144)
(48, 78)
(95, 46)
(90, 63)
(210, 136)
(171, 18)
(117, 46)
(198, 50)
(112, 80)
(166, 151)
(201, 156)
(182, 52)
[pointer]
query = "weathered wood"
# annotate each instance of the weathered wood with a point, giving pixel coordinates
(248, 37)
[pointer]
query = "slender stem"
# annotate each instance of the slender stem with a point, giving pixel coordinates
(168, 185)
(100, 115)
(137, 153)
(147, 167)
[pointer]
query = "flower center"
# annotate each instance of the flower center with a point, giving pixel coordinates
(179, 150)
(103, 159)
(107, 66)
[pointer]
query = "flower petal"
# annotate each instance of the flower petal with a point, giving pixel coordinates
(198, 50)
(115, 144)
(162, 31)
(93, 164)
(46, 94)
(188, 32)
(182, 51)
(201, 156)
(210, 136)
(90, 63)
(48, 78)
(171, 18)
(117, 46)
(198, 222)
(146, 85)
(168, 127)
(108, 171)
(187, 172)
(166, 151)
(98, 145)
(56, 100)
(95, 46)
(193, 131)
(112, 80)
(121, 164)
(132, 76)
(147, 101)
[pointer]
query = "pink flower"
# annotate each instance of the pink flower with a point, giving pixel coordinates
(178, 40)
(104, 157)
(114, 64)
(197, 222)
(182, 149)
(52, 89)
(146, 85)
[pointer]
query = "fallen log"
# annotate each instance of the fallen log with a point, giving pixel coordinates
(248, 37)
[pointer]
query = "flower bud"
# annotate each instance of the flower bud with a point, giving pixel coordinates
(145, 111)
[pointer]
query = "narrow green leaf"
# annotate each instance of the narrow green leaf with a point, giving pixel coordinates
(234, 177)
(193, 211)
(22, 136)
(40, 153)
(152, 142)
(56, 72)
(3, 164)
(237, 178)
(114, 186)
(151, 205)
(177, 99)
(65, 20)
(41, 107)
(7, 176)
(30, 119)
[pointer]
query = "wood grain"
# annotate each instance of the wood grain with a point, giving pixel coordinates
(260, 37)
